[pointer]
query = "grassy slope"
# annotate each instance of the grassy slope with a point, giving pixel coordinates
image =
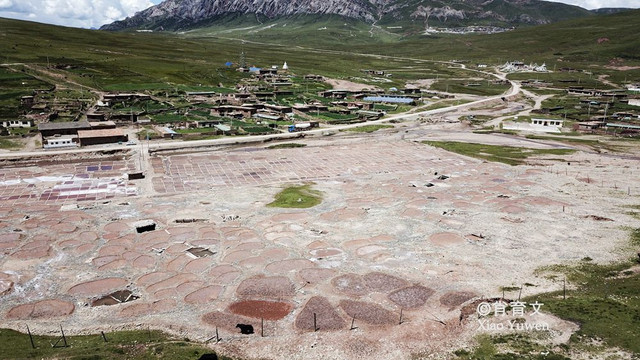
(504, 154)
(120, 345)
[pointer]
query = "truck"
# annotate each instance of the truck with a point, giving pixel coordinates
(303, 126)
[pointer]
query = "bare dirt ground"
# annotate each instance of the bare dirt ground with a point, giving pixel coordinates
(349, 85)
(391, 237)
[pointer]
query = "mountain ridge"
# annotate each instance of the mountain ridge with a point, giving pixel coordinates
(175, 15)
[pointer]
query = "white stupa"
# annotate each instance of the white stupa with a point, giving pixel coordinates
(285, 66)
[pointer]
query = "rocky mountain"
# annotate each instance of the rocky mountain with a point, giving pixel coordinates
(188, 14)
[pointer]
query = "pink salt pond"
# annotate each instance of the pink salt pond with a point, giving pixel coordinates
(44, 309)
(98, 287)
(446, 239)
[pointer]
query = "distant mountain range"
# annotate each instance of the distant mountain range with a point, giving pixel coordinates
(173, 15)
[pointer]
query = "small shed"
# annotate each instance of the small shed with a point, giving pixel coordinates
(103, 136)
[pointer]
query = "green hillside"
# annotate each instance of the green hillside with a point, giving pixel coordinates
(170, 61)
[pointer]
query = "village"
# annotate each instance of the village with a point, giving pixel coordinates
(273, 100)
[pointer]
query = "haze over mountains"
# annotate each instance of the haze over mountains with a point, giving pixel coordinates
(189, 14)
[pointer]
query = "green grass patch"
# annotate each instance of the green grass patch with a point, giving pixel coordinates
(286, 146)
(9, 144)
(605, 302)
(120, 345)
(300, 197)
(369, 128)
(508, 347)
(504, 154)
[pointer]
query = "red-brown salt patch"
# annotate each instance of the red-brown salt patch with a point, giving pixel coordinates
(275, 254)
(184, 237)
(321, 253)
(273, 287)
(351, 284)
(241, 234)
(117, 227)
(44, 309)
(209, 232)
(413, 213)
(229, 321)
(446, 238)
(154, 237)
(171, 282)
(36, 252)
(513, 209)
(144, 262)
(116, 264)
(372, 314)
(103, 260)
(380, 282)
(343, 214)
(131, 255)
(259, 309)
(64, 228)
(411, 297)
(315, 275)
(354, 244)
(88, 236)
(166, 294)
(327, 318)
(452, 223)
(5, 286)
(189, 287)
(176, 249)
(205, 295)
(110, 236)
(271, 236)
(178, 263)
(111, 250)
(139, 309)
(462, 205)
(294, 217)
(152, 278)
(69, 244)
(205, 242)
(126, 240)
(179, 230)
(369, 249)
(237, 256)
(32, 223)
(220, 270)
(318, 245)
(253, 262)
(98, 287)
(197, 266)
(457, 298)
(419, 204)
(9, 241)
(83, 249)
(10, 237)
(285, 266)
(249, 246)
(49, 223)
(228, 278)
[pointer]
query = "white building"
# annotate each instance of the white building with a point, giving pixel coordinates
(536, 125)
(59, 142)
(24, 123)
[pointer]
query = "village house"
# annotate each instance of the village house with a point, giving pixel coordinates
(233, 111)
(62, 128)
(101, 137)
(20, 123)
